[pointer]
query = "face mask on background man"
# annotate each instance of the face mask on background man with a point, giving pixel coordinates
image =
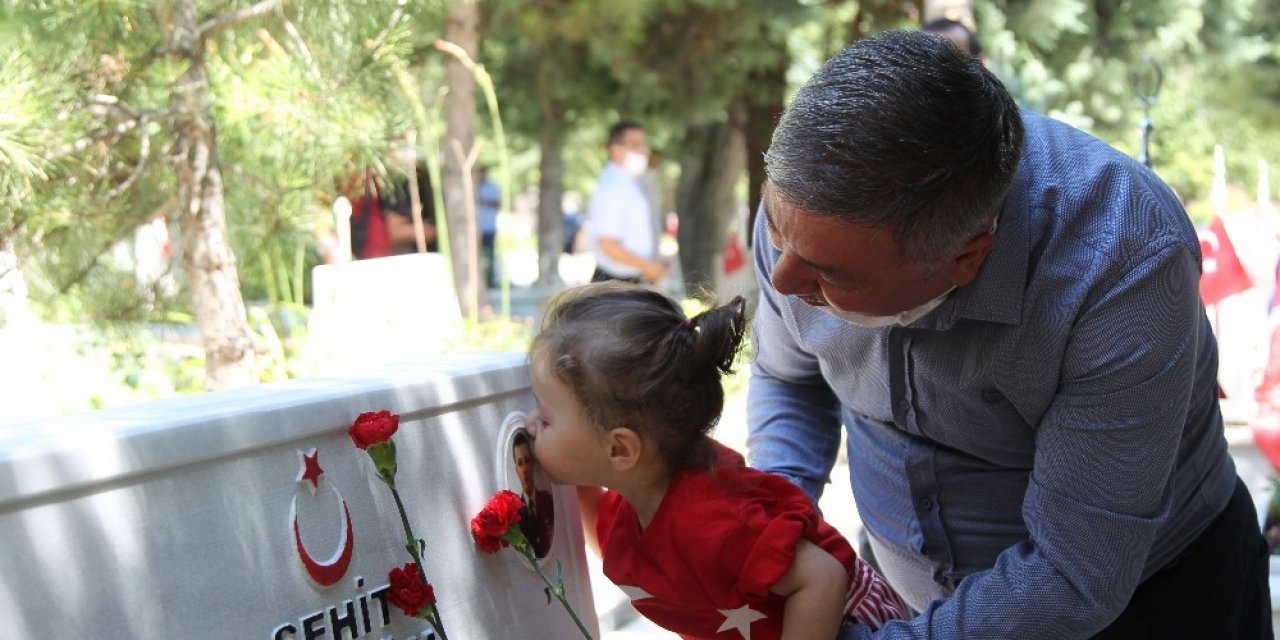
(635, 163)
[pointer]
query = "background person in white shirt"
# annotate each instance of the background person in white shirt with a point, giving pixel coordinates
(488, 204)
(622, 238)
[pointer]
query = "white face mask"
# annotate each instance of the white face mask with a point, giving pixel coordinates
(635, 163)
(904, 318)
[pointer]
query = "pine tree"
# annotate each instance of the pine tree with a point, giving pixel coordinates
(229, 118)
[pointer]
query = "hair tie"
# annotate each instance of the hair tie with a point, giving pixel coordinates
(688, 324)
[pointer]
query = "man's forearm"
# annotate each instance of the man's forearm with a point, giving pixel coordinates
(616, 252)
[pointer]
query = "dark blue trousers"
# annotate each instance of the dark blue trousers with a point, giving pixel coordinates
(1217, 588)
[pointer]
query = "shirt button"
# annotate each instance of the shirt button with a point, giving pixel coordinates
(992, 395)
(926, 504)
(904, 405)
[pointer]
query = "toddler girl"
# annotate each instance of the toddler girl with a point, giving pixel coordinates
(627, 391)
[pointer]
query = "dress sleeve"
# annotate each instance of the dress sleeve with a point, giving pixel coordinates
(774, 517)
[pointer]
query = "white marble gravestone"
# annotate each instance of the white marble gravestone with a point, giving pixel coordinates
(196, 517)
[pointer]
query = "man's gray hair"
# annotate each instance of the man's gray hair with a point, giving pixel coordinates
(900, 130)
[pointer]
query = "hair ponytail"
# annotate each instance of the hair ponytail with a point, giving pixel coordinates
(717, 336)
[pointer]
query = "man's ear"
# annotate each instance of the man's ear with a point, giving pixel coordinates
(966, 265)
(625, 447)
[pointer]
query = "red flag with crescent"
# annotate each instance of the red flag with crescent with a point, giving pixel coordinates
(1221, 274)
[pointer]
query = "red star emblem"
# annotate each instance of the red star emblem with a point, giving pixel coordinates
(309, 468)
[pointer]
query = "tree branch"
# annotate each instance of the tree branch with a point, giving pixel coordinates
(211, 27)
(304, 51)
(112, 133)
(144, 153)
(396, 16)
(373, 46)
(88, 266)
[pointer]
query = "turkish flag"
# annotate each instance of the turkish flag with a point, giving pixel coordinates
(733, 258)
(1221, 273)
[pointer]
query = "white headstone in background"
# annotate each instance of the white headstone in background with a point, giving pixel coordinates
(198, 518)
(381, 310)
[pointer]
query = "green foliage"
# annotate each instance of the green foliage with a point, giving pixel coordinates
(20, 124)
(510, 334)
(141, 368)
(1089, 63)
(309, 95)
(280, 331)
(665, 63)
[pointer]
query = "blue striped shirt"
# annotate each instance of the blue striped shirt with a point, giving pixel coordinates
(1028, 452)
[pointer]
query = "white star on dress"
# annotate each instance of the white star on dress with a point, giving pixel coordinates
(740, 620)
(635, 593)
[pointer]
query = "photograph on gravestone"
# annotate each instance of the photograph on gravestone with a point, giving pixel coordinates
(523, 476)
(508, 521)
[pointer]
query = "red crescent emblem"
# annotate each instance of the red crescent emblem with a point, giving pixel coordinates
(329, 572)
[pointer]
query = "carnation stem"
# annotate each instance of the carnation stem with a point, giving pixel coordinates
(411, 543)
(556, 589)
(437, 622)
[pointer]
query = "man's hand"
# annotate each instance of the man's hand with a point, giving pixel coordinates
(651, 270)
(654, 270)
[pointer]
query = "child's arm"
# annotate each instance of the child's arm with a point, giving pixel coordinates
(588, 506)
(815, 587)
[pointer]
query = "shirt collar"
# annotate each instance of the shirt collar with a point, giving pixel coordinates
(996, 294)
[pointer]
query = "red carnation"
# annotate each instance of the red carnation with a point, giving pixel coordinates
(372, 428)
(495, 527)
(408, 591)
(491, 526)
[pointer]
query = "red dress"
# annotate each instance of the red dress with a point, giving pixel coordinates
(720, 539)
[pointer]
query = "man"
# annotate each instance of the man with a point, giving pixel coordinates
(1003, 312)
(488, 203)
(538, 515)
(382, 224)
(621, 225)
(399, 214)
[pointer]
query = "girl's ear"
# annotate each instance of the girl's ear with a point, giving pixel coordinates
(624, 447)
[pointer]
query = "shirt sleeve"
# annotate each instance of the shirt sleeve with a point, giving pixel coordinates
(793, 418)
(1116, 422)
